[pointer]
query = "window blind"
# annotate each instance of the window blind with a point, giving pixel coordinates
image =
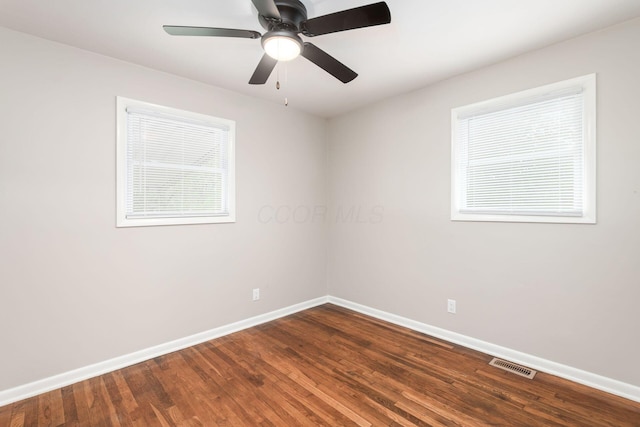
(176, 167)
(523, 159)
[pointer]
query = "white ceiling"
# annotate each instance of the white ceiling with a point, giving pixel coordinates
(427, 40)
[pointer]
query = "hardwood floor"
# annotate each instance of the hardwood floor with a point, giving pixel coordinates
(324, 366)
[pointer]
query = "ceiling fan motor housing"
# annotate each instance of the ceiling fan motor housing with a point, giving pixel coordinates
(292, 14)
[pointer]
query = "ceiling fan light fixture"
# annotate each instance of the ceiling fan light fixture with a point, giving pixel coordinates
(284, 20)
(282, 45)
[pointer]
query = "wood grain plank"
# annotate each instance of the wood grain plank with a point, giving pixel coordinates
(51, 409)
(17, 419)
(5, 415)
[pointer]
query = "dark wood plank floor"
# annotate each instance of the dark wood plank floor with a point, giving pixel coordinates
(325, 366)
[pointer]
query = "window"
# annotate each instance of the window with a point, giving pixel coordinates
(174, 166)
(527, 157)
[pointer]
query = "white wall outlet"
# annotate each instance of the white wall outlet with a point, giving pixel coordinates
(451, 306)
(256, 294)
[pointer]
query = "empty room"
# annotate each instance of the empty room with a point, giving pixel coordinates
(319, 213)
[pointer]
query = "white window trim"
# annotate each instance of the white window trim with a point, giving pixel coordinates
(121, 168)
(588, 84)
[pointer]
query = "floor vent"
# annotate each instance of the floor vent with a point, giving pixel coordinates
(512, 367)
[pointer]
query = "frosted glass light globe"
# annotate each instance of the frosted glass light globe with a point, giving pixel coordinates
(282, 48)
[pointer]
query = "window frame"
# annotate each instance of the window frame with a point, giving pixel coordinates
(122, 104)
(588, 85)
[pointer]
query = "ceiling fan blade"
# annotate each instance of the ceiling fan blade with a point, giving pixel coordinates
(175, 30)
(328, 63)
(359, 17)
(263, 70)
(267, 8)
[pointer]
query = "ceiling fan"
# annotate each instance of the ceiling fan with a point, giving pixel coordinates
(284, 20)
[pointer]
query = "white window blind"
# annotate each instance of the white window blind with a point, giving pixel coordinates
(177, 168)
(526, 156)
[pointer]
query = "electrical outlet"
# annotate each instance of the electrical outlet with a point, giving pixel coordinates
(451, 306)
(256, 294)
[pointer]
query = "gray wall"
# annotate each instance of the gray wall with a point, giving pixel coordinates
(567, 293)
(74, 289)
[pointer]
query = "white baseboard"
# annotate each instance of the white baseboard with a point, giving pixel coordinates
(57, 381)
(599, 382)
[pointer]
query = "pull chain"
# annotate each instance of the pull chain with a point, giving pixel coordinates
(286, 82)
(286, 100)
